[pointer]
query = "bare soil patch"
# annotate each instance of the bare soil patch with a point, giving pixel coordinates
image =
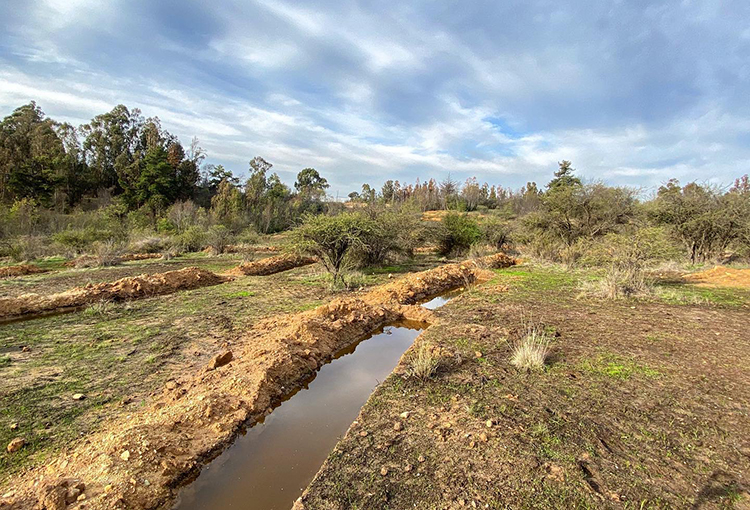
(20, 270)
(126, 288)
(271, 265)
(722, 276)
(641, 405)
(140, 459)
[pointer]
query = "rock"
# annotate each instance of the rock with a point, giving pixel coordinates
(16, 444)
(14, 426)
(390, 276)
(408, 467)
(404, 415)
(125, 455)
(478, 354)
(79, 396)
(472, 444)
(397, 426)
(171, 385)
(384, 471)
(220, 360)
(483, 437)
(488, 423)
(421, 458)
(72, 495)
(53, 498)
(25, 348)
(363, 433)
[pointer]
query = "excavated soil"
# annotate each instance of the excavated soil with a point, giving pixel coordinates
(20, 270)
(721, 276)
(93, 261)
(125, 288)
(141, 460)
(271, 265)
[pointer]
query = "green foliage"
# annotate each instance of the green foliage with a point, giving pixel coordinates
(496, 232)
(457, 233)
(332, 238)
(191, 240)
(217, 238)
(79, 240)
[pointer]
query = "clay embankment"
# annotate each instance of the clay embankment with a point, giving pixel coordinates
(139, 461)
(125, 288)
(20, 270)
(721, 276)
(271, 265)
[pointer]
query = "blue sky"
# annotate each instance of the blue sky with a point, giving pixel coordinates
(633, 92)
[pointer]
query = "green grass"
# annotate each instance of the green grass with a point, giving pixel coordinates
(681, 293)
(616, 367)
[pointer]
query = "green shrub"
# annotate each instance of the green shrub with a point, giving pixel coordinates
(191, 240)
(496, 232)
(217, 238)
(80, 240)
(457, 233)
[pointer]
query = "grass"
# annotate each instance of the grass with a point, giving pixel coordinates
(423, 363)
(616, 367)
(531, 351)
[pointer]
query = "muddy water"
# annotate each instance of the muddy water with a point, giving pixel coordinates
(440, 300)
(269, 466)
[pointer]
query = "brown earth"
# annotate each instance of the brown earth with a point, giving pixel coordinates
(641, 405)
(126, 288)
(721, 276)
(139, 461)
(271, 265)
(93, 261)
(20, 270)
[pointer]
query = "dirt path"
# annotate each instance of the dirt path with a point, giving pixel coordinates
(140, 461)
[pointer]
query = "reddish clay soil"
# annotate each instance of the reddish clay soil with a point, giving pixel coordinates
(126, 288)
(140, 460)
(721, 276)
(20, 270)
(271, 265)
(92, 261)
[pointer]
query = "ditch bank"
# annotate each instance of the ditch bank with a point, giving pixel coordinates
(140, 461)
(123, 289)
(271, 265)
(20, 270)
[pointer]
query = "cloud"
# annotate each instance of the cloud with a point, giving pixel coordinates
(632, 92)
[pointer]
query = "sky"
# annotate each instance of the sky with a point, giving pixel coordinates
(632, 92)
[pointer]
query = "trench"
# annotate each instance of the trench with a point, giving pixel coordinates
(272, 463)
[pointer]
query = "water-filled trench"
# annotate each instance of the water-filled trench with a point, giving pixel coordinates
(270, 465)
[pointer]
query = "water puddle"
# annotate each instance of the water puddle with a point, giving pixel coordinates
(442, 299)
(271, 464)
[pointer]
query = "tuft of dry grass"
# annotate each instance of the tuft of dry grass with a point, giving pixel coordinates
(423, 363)
(531, 351)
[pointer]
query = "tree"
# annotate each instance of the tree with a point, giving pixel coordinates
(564, 177)
(331, 239)
(310, 185)
(156, 185)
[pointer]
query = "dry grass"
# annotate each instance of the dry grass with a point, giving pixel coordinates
(531, 351)
(423, 363)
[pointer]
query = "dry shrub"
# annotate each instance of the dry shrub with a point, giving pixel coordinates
(531, 351)
(149, 244)
(107, 253)
(424, 362)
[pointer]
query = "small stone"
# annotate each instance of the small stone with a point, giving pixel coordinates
(408, 467)
(79, 396)
(16, 444)
(220, 360)
(483, 437)
(125, 455)
(421, 458)
(390, 276)
(108, 488)
(72, 495)
(363, 433)
(81, 497)
(447, 425)
(384, 471)
(14, 426)
(472, 444)
(404, 415)
(397, 426)
(171, 385)
(488, 423)
(478, 354)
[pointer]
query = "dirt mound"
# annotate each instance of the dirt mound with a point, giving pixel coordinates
(271, 265)
(140, 460)
(126, 288)
(721, 276)
(94, 261)
(20, 270)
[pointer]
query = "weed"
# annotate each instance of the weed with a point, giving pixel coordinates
(424, 363)
(617, 367)
(99, 309)
(532, 350)
(4, 361)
